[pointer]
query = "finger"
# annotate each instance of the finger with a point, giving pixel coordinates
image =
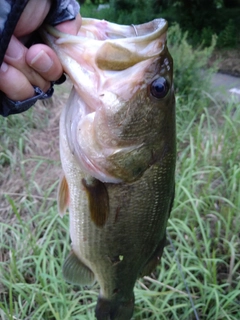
(32, 17)
(15, 57)
(44, 60)
(70, 27)
(14, 84)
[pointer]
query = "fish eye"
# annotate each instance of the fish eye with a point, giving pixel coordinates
(159, 88)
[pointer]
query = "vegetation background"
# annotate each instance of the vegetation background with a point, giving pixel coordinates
(199, 274)
(201, 18)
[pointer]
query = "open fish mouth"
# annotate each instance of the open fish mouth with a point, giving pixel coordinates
(100, 48)
(103, 46)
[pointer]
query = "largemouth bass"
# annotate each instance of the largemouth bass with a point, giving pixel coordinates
(117, 147)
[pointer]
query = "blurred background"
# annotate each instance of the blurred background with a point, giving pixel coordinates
(201, 18)
(208, 29)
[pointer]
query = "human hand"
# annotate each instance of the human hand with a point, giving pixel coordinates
(39, 65)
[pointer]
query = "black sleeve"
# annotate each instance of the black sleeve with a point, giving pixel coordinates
(11, 10)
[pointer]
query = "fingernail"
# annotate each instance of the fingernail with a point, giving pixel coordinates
(4, 67)
(42, 62)
(15, 49)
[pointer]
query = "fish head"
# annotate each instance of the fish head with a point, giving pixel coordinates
(120, 117)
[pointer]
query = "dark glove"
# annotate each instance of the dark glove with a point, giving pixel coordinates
(61, 10)
(9, 106)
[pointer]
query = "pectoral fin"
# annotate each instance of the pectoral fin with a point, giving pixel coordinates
(98, 201)
(63, 196)
(76, 272)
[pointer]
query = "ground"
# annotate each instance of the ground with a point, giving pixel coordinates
(229, 61)
(36, 166)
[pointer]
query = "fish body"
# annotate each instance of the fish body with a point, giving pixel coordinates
(118, 153)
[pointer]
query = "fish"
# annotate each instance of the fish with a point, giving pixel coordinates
(118, 154)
